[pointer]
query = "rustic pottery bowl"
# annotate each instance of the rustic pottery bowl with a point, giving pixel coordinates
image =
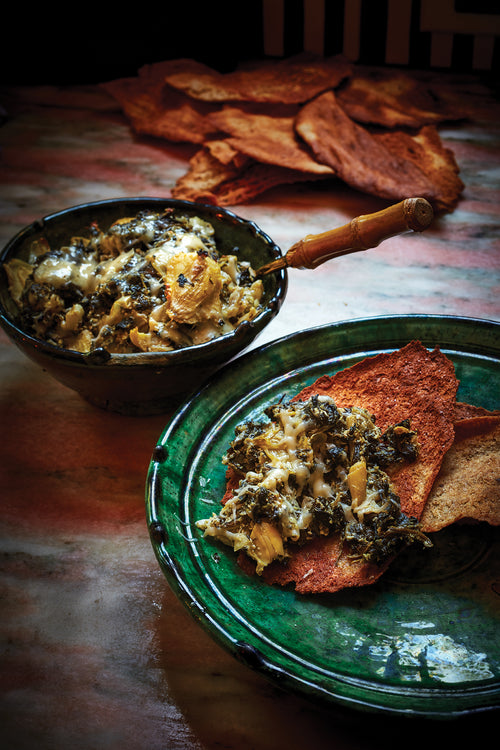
(150, 382)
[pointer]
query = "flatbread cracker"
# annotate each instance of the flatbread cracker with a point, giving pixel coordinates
(322, 566)
(268, 136)
(220, 175)
(288, 81)
(157, 110)
(392, 164)
(393, 99)
(465, 411)
(468, 484)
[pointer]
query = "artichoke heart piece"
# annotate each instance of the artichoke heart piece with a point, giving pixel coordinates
(194, 283)
(18, 272)
(356, 481)
(267, 544)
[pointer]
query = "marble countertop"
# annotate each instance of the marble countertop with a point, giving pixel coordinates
(97, 651)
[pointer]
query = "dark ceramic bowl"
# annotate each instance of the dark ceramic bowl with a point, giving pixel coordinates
(151, 382)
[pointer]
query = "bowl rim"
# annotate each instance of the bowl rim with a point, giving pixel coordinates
(101, 356)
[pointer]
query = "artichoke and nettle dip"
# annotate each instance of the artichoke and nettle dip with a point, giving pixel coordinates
(153, 282)
(312, 470)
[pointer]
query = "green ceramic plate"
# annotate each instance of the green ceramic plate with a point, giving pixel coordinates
(425, 639)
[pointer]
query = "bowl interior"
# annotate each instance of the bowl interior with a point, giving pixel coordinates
(232, 233)
(158, 373)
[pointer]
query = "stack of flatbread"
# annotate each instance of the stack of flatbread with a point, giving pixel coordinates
(456, 477)
(293, 120)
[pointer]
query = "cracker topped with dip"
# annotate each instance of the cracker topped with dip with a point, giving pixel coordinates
(330, 487)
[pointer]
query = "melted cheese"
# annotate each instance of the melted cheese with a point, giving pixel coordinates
(162, 255)
(165, 263)
(87, 275)
(297, 480)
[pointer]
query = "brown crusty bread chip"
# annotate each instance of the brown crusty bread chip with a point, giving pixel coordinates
(468, 484)
(468, 96)
(220, 175)
(393, 99)
(322, 566)
(425, 151)
(391, 164)
(225, 153)
(155, 109)
(212, 167)
(413, 383)
(268, 136)
(466, 411)
(288, 81)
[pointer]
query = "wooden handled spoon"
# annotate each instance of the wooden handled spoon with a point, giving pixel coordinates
(361, 233)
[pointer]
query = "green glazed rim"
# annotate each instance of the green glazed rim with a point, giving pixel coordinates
(423, 640)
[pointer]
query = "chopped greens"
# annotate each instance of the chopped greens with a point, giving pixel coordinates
(152, 282)
(310, 470)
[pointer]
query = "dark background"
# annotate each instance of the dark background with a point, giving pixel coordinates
(80, 46)
(91, 43)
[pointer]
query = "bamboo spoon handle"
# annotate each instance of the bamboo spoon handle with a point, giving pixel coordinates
(361, 233)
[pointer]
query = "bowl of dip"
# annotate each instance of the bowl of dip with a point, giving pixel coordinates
(134, 302)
